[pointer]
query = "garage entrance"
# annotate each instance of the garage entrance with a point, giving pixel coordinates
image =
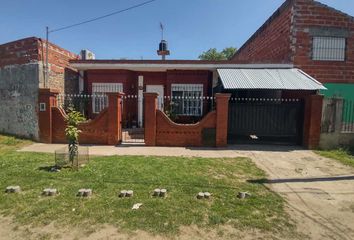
(260, 120)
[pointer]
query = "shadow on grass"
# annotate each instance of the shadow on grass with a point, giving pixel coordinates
(294, 180)
(51, 168)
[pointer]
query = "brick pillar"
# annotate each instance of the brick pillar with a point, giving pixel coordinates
(312, 121)
(150, 108)
(114, 118)
(222, 113)
(46, 100)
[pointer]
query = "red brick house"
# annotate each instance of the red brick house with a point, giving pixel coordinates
(313, 37)
(170, 78)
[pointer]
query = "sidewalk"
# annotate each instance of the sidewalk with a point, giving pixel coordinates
(136, 149)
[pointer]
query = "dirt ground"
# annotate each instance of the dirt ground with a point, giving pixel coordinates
(319, 194)
(319, 191)
(10, 230)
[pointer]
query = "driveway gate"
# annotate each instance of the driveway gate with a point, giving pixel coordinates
(261, 120)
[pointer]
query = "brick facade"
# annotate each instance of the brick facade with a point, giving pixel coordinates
(33, 50)
(312, 121)
(161, 131)
(104, 129)
(287, 38)
(129, 79)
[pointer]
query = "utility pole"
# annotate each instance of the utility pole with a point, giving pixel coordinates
(46, 80)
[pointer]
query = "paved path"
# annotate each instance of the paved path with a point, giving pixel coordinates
(126, 149)
(319, 191)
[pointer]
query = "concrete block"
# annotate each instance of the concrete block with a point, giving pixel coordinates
(129, 193)
(13, 189)
(156, 192)
(163, 192)
(207, 195)
(243, 195)
(50, 192)
(122, 193)
(200, 195)
(84, 192)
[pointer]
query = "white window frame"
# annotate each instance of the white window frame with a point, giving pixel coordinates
(328, 48)
(99, 96)
(189, 98)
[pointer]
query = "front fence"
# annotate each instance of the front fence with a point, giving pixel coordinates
(88, 105)
(348, 116)
(337, 116)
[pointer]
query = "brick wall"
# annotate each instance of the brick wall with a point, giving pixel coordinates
(104, 129)
(62, 76)
(169, 133)
(161, 131)
(287, 38)
(312, 15)
(312, 121)
(19, 52)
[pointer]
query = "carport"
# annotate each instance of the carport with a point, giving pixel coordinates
(268, 105)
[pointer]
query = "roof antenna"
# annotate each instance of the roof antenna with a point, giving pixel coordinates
(163, 47)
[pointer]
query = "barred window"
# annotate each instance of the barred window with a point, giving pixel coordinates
(328, 48)
(187, 99)
(99, 97)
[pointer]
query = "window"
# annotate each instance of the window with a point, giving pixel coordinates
(99, 97)
(187, 99)
(328, 49)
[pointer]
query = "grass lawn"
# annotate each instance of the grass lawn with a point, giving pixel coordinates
(344, 156)
(182, 177)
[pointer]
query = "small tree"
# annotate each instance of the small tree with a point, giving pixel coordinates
(72, 132)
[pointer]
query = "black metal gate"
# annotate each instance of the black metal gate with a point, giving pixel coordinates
(277, 121)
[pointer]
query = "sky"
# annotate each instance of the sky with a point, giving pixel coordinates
(191, 26)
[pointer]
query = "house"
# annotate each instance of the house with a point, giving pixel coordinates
(178, 79)
(188, 84)
(312, 37)
(22, 74)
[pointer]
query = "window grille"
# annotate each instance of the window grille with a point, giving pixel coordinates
(187, 99)
(99, 97)
(328, 48)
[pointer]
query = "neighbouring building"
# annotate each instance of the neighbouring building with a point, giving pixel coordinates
(22, 73)
(313, 37)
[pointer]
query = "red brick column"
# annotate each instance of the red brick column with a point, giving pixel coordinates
(222, 113)
(115, 118)
(46, 99)
(312, 121)
(150, 108)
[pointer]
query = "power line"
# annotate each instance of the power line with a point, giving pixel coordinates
(101, 17)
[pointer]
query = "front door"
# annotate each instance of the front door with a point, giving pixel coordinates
(159, 90)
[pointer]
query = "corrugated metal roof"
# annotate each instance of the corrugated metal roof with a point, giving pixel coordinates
(286, 79)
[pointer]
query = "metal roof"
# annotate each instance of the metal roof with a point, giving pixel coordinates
(285, 79)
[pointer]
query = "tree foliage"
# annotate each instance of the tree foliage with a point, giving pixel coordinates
(215, 55)
(72, 131)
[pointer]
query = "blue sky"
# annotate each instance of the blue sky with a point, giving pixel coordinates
(191, 26)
